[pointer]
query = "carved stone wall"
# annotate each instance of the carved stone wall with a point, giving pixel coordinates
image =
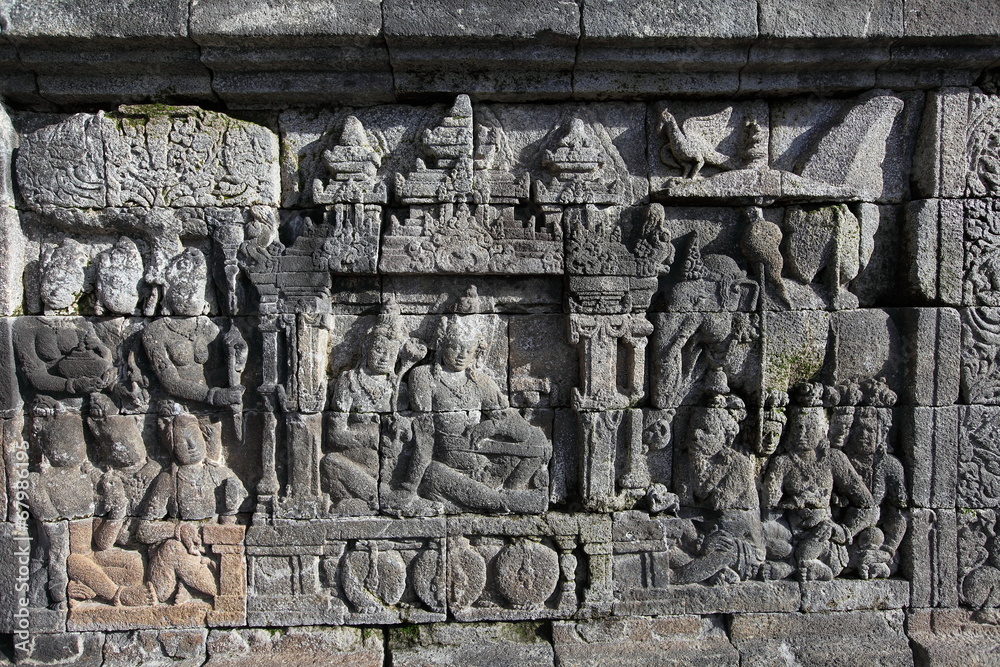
(491, 369)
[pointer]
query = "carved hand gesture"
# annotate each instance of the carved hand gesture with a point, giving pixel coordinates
(840, 534)
(112, 490)
(223, 396)
(189, 537)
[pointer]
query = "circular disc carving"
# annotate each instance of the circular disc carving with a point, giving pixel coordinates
(428, 580)
(527, 573)
(466, 576)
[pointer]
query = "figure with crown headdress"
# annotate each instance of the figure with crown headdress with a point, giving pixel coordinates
(180, 347)
(373, 387)
(801, 482)
(868, 446)
(472, 452)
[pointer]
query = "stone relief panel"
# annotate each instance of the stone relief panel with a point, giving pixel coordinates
(486, 362)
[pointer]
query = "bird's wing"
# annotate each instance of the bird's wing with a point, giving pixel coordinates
(711, 129)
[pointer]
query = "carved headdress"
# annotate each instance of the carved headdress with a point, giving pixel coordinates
(119, 273)
(389, 323)
(466, 324)
(186, 277)
(62, 274)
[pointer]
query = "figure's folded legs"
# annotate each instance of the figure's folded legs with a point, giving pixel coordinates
(171, 563)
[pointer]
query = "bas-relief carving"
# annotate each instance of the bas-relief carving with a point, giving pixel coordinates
(184, 323)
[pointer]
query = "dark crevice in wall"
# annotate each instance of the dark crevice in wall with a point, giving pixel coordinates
(222, 106)
(389, 55)
(579, 44)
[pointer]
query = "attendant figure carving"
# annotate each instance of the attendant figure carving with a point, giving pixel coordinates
(61, 492)
(802, 480)
(62, 357)
(179, 347)
(736, 541)
(882, 473)
(118, 278)
(105, 563)
(192, 492)
(373, 387)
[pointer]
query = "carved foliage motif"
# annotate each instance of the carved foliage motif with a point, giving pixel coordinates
(979, 459)
(983, 176)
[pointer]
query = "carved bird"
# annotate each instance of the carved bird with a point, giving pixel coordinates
(697, 143)
(761, 244)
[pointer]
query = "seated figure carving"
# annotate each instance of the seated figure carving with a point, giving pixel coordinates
(736, 542)
(105, 563)
(883, 474)
(193, 491)
(473, 452)
(802, 480)
(373, 387)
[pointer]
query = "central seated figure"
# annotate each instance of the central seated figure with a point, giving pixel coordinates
(473, 452)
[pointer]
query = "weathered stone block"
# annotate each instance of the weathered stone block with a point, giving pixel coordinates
(930, 438)
(218, 21)
(459, 19)
(932, 374)
(811, 18)
(948, 637)
(688, 640)
(536, 46)
(471, 643)
(63, 649)
(183, 648)
(796, 347)
(834, 638)
(353, 647)
(855, 595)
(747, 596)
(958, 18)
(933, 560)
(543, 365)
(104, 19)
(939, 164)
(934, 235)
(638, 20)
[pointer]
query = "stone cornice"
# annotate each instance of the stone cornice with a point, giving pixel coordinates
(259, 53)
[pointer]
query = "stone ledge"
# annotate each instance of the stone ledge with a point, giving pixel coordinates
(259, 54)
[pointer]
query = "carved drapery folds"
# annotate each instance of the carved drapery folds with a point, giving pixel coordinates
(497, 362)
